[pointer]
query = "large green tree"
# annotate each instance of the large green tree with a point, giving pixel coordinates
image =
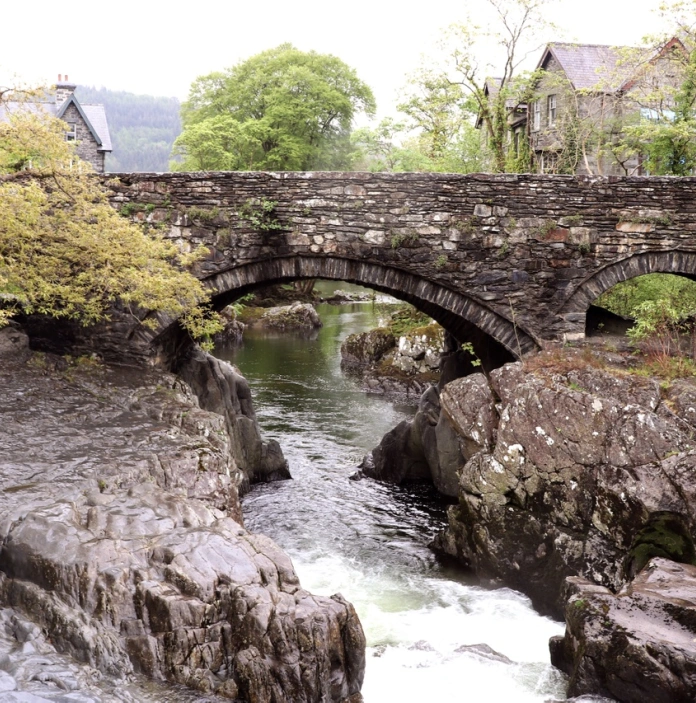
(64, 251)
(283, 109)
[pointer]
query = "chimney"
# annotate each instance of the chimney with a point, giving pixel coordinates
(64, 89)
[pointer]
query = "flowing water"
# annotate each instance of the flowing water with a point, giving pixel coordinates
(369, 541)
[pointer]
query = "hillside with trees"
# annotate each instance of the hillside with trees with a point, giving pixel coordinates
(143, 128)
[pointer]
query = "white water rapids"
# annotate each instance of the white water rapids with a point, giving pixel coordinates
(369, 541)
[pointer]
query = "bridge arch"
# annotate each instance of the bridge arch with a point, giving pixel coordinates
(679, 262)
(456, 312)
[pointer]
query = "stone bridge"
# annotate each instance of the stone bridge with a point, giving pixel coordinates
(518, 257)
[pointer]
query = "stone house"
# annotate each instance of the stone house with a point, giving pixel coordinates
(584, 97)
(87, 124)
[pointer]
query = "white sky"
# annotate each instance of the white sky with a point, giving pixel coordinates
(158, 47)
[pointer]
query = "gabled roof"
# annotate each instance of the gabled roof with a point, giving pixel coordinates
(94, 117)
(591, 66)
(604, 67)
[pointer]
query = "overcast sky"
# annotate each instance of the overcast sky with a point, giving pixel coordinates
(152, 46)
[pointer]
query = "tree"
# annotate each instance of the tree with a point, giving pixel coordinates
(387, 148)
(283, 109)
(64, 251)
(437, 134)
(519, 22)
(663, 132)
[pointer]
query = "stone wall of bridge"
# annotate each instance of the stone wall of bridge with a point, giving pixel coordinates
(519, 256)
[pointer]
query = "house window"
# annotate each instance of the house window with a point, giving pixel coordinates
(551, 109)
(71, 133)
(536, 115)
(549, 162)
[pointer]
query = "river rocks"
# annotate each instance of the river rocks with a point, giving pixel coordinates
(637, 645)
(221, 389)
(559, 469)
(122, 537)
(14, 342)
(407, 363)
(233, 330)
(343, 297)
(298, 316)
(366, 348)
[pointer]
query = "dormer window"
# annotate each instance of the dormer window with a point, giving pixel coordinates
(536, 115)
(71, 132)
(551, 109)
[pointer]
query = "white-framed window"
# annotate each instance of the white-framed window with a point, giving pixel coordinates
(536, 115)
(551, 109)
(71, 133)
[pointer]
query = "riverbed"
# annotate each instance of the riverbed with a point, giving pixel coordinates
(432, 633)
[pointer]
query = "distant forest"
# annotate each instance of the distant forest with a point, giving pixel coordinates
(143, 128)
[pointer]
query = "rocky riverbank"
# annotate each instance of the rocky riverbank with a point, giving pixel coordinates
(568, 466)
(122, 535)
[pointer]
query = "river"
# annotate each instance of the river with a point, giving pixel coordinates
(369, 541)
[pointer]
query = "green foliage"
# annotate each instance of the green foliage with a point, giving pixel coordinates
(663, 306)
(666, 135)
(625, 297)
(260, 213)
(398, 239)
(664, 535)
(143, 128)
(206, 216)
(516, 23)
(468, 347)
(405, 319)
(65, 252)
(441, 261)
(384, 148)
(545, 229)
(282, 109)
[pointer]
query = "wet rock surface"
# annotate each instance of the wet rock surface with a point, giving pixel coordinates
(122, 536)
(394, 364)
(233, 330)
(637, 645)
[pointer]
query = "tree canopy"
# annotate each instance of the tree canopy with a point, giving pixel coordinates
(283, 109)
(64, 251)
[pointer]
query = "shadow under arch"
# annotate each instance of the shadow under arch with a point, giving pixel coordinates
(459, 314)
(677, 261)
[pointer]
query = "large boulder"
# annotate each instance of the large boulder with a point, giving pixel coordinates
(397, 365)
(401, 456)
(297, 316)
(636, 645)
(122, 536)
(366, 348)
(571, 482)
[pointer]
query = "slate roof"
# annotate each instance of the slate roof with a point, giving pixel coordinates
(94, 116)
(589, 66)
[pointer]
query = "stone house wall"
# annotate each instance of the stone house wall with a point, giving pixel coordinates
(606, 111)
(87, 147)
